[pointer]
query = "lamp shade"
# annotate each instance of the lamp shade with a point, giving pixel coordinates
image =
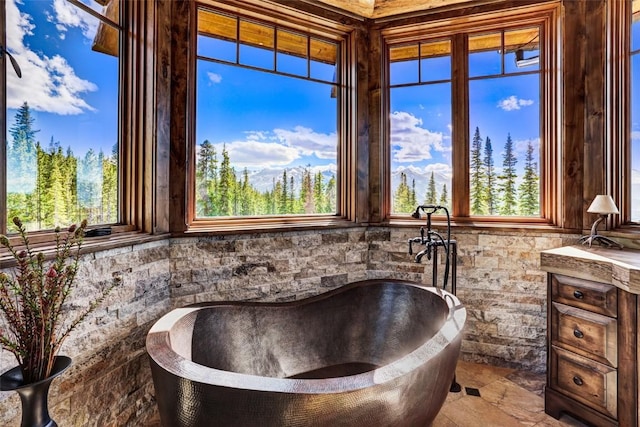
(603, 204)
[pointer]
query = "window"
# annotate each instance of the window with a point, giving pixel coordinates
(267, 134)
(420, 124)
(467, 127)
(635, 113)
(61, 153)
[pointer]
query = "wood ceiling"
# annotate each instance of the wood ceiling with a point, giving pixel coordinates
(384, 8)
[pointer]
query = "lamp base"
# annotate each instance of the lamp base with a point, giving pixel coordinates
(602, 240)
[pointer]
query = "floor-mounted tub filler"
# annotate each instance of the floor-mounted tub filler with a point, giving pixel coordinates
(371, 353)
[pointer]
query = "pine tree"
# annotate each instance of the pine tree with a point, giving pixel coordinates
(306, 192)
(413, 200)
(331, 196)
(431, 197)
(508, 179)
(58, 215)
(444, 196)
(206, 177)
(529, 191)
(22, 162)
(291, 208)
(402, 196)
(110, 187)
(284, 195)
(245, 194)
(477, 172)
(319, 192)
(42, 197)
(69, 171)
(224, 190)
(491, 197)
(90, 186)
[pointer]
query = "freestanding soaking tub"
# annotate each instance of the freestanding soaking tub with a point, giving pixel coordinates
(371, 353)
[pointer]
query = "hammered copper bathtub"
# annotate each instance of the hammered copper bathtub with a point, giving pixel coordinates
(372, 353)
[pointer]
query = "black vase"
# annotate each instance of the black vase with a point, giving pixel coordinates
(35, 408)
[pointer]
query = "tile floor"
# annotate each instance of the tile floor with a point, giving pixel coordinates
(508, 398)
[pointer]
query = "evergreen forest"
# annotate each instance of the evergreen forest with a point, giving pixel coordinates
(491, 192)
(221, 191)
(50, 187)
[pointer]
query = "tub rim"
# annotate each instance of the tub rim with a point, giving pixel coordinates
(160, 351)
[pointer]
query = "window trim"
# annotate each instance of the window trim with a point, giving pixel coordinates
(618, 123)
(546, 17)
(311, 25)
(141, 129)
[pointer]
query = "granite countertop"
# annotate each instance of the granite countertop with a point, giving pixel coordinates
(617, 267)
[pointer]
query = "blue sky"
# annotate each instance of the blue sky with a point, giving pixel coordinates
(421, 122)
(71, 90)
(266, 120)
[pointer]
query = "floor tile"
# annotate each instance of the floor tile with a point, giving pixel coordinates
(475, 411)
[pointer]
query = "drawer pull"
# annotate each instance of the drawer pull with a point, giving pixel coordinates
(578, 294)
(577, 380)
(578, 333)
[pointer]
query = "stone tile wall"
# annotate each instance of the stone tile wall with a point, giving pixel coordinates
(267, 267)
(498, 280)
(109, 383)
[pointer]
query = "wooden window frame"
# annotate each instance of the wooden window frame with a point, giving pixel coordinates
(143, 131)
(617, 175)
(457, 29)
(311, 25)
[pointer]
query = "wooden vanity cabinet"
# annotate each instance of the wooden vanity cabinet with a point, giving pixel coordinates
(592, 348)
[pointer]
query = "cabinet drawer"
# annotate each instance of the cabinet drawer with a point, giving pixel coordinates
(593, 296)
(585, 380)
(589, 334)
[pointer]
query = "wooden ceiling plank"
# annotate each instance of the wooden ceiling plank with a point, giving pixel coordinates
(263, 36)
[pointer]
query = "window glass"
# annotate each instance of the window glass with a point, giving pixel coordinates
(435, 61)
(266, 142)
(324, 58)
(404, 65)
(485, 58)
(635, 114)
(504, 120)
(292, 53)
(420, 130)
(504, 160)
(62, 115)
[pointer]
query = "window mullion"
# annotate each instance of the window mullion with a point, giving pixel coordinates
(460, 119)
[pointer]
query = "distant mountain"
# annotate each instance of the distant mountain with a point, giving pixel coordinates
(262, 180)
(422, 181)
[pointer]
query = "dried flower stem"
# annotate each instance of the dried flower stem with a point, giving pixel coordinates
(32, 301)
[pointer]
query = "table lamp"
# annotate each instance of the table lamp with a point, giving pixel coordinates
(602, 205)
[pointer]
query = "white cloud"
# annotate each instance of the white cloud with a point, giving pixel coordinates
(48, 84)
(214, 78)
(280, 147)
(308, 142)
(69, 16)
(635, 135)
(442, 168)
(410, 141)
(252, 154)
(521, 145)
(512, 103)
